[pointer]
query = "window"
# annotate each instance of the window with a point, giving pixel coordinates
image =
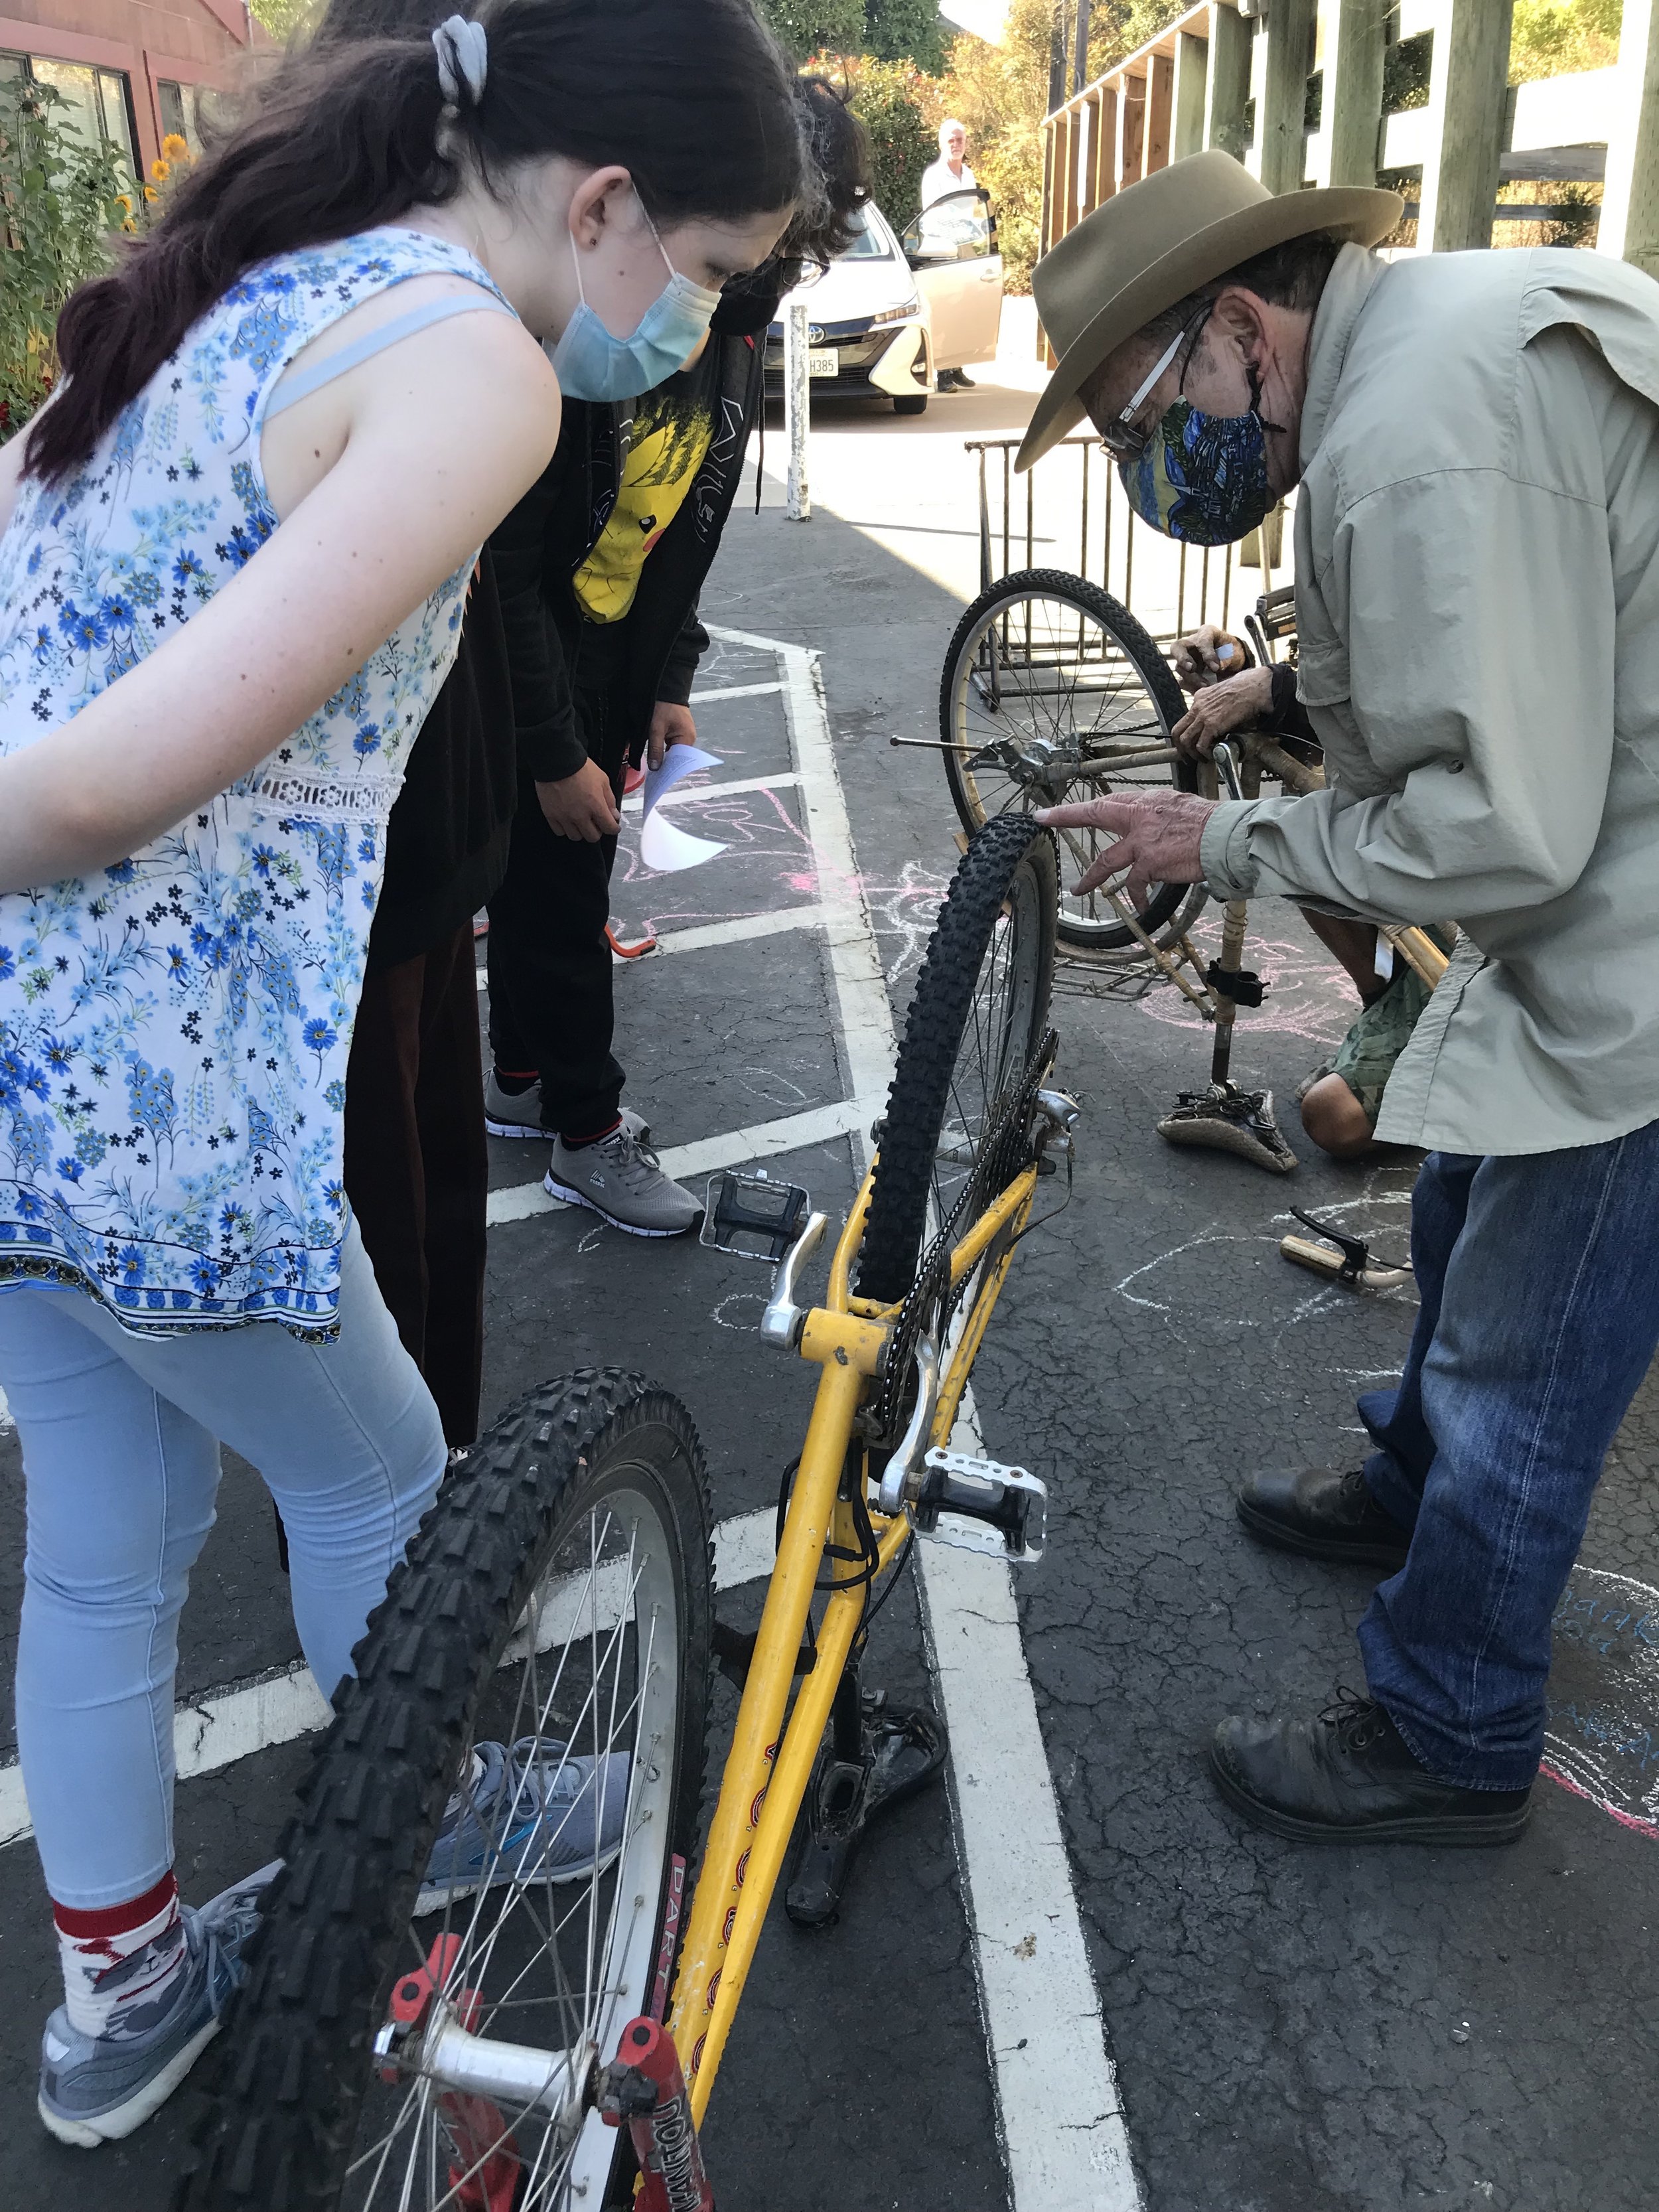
(180, 111)
(97, 107)
(869, 241)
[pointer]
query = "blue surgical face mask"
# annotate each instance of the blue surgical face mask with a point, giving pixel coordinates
(1200, 477)
(590, 363)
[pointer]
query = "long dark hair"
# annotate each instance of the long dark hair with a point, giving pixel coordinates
(692, 96)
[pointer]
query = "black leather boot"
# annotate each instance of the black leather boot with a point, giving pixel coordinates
(1323, 1516)
(1348, 1776)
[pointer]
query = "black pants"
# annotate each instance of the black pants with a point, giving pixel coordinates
(551, 1007)
(418, 1164)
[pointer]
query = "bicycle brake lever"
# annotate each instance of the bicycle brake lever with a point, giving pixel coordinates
(782, 1321)
(912, 1446)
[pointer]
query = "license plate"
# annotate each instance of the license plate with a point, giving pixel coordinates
(827, 363)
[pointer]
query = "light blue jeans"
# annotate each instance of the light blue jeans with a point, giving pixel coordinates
(120, 1435)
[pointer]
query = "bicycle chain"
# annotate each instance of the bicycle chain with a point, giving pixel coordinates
(1005, 1151)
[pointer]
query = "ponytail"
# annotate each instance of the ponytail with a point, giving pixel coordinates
(691, 96)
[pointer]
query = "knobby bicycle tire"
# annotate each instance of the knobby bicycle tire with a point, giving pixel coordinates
(985, 883)
(296, 2058)
(1144, 654)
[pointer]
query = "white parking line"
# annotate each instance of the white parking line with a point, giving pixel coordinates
(764, 1142)
(231, 1725)
(1060, 2115)
(734, 691)
(741, 927)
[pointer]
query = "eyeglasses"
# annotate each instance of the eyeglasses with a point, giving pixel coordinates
(1123, 436)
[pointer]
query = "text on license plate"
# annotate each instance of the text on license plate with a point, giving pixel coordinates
(825, 363)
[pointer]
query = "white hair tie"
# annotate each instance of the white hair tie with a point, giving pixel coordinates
(463, 52)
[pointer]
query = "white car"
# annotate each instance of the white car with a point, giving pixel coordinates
(888, 315)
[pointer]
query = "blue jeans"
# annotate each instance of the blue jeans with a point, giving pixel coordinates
(1540, 1283)
(121, 1462)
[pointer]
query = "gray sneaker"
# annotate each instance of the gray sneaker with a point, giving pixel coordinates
(619, 1178)
(520, 1113)
(95, 2089)
(536, 1812)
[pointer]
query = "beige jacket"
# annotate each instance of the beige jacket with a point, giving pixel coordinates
(1477, 590)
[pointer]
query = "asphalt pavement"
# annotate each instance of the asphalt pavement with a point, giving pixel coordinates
(1291, 2029)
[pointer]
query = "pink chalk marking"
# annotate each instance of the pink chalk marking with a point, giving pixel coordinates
(1647, 1828)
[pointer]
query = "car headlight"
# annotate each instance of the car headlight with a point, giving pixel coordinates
(896, 314)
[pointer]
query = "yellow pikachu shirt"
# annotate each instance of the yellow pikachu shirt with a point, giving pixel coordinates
(673, 428)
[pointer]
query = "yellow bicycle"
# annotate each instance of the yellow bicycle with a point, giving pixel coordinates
(485, 1978)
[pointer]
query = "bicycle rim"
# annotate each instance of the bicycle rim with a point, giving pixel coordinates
(1047, 683)
(557, 1604)
(562, 1965)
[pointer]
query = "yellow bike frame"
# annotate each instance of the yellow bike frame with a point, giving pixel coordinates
(770, 1762)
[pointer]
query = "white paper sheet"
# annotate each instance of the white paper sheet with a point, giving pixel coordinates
(664, 849)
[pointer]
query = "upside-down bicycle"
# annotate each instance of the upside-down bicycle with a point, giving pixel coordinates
(534, 2041)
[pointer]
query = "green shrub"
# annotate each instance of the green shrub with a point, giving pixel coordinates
(62, 199)
(890, 98)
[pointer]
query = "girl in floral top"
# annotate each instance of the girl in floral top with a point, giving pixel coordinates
(235, 552)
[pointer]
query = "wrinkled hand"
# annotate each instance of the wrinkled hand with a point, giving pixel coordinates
(1157, 839)
(670, 726)
(1219, 708)
(1207, 656)
(581, 805)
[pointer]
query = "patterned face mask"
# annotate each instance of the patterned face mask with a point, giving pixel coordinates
(1200, 477)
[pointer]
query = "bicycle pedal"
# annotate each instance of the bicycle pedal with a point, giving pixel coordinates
(980, 1506)
(754, 1217)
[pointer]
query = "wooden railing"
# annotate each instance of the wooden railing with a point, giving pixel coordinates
(1247, 84)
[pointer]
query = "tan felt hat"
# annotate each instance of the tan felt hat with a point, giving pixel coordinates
(1152, 245)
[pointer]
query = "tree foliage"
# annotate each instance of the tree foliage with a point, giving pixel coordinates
(899, 107)
(62, 199)
(906, 30)
(814, 26)
(1556, 38)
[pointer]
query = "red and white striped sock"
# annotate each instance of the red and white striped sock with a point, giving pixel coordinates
(120, 1963)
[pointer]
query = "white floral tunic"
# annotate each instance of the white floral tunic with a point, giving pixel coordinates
(173, 1032)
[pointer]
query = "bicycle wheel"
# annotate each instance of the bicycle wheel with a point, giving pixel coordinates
(557, 1601)
(980, 1010)
(1049, 684)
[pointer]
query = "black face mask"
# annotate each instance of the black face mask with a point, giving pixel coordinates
(749, 302)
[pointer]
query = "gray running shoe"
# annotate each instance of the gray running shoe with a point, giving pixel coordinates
(520, 1114)
(95, 2089)
(533, 1813)
(621, 1180)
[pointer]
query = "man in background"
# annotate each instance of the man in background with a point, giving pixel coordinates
(950, 173)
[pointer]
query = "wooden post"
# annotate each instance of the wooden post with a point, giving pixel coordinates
(1630, 199)
(1133, 135)
(1073, 150)
(1282, 135)
(1046, 232)
(1187, 108)
(1464, 137)
(1105, 146)
(1352, 114)
(1226, 79)
(1160, 96)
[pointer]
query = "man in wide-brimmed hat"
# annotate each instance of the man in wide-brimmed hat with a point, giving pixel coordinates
(1475, 438)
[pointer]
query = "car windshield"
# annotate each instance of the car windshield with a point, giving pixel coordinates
(869, 241)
